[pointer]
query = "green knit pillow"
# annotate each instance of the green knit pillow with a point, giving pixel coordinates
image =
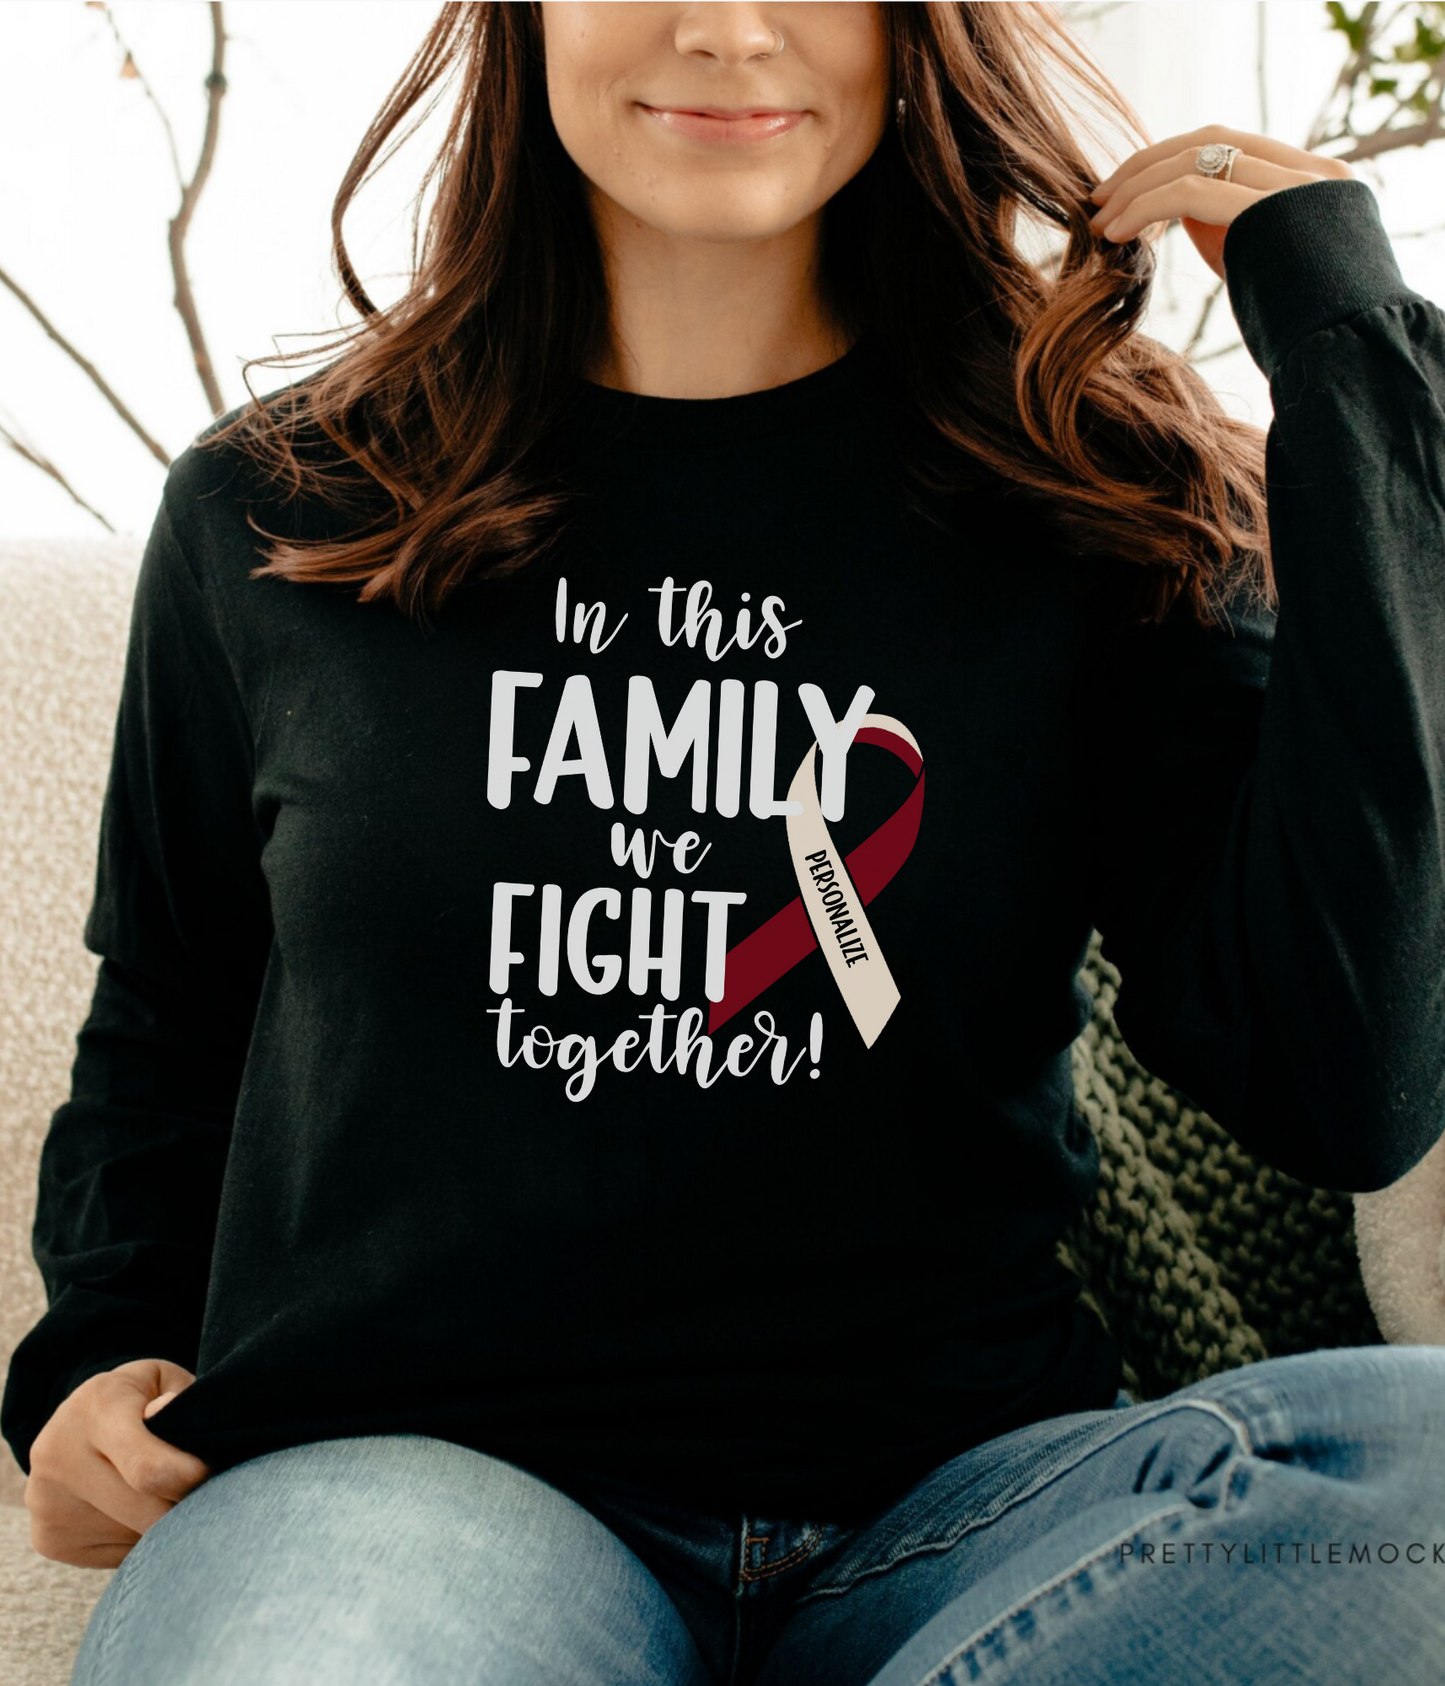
(1198, 1257)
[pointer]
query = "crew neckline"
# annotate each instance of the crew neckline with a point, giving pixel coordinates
(655, 420)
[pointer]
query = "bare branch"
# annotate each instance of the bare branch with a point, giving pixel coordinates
(1261, 65)
(185, 298)
(1215, 294)
(1366, 35)
(37, 459)
(1075, 13)
(149, 93)
(88, 369)
(1356, 62)
(1219, 351)
(1377, 70)
(1395, 140)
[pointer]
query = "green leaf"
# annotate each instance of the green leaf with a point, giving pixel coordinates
(1353, 29)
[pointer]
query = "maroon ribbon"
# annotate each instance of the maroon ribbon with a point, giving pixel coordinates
(778, 944)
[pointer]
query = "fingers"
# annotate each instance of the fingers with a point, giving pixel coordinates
(149, 1465)
(1249, 171)
(1264, 148)
(69, 1529)
(156, 1375)
(1199, 197)
(1173, 187)
(99, 1476)
(96, 1482)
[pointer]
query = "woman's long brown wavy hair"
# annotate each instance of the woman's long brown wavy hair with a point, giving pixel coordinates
(440, 408)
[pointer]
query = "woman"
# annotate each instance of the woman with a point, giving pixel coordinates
(565, 1162)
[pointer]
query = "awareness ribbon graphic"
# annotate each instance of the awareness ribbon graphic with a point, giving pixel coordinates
(809, 921)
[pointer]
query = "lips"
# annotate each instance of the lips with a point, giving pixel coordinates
(724, 111)
(722, 125)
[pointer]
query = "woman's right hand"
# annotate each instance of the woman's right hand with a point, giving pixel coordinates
(98, 1476)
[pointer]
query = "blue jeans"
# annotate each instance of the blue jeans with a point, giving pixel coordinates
(1282, 1522)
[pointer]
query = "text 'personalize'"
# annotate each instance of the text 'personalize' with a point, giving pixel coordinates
(839, 914)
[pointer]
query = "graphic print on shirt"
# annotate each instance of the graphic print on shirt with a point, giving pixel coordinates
(827, 914)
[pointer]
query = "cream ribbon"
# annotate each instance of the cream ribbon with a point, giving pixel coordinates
(867, 985)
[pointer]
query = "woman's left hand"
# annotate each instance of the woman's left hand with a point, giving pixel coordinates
(1160, 182)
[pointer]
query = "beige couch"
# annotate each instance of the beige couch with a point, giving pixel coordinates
(1197, 1257)
(64, 610)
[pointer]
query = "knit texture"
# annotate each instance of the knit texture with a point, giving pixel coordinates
(1197, 1256)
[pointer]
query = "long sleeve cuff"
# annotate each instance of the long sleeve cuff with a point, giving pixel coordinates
(1306, 258)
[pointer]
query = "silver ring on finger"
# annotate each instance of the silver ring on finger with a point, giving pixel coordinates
(1216, 159)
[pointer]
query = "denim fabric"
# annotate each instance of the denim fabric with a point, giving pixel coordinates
(1282, 1522)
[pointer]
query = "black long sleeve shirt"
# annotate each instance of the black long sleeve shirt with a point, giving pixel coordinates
(480, 1049)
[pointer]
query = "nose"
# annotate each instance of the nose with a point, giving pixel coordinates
(732, 34)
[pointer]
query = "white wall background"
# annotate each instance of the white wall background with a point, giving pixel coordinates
(86, 191)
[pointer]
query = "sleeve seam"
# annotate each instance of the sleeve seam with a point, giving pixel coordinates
(1393, 300)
